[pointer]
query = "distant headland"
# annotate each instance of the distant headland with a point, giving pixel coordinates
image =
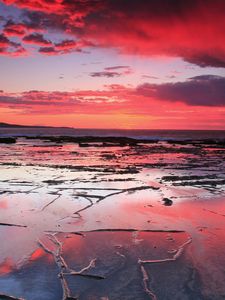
(7, 125)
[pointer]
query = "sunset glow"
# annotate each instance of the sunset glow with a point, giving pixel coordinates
(113, 64)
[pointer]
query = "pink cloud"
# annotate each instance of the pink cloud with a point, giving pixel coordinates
(192, 30)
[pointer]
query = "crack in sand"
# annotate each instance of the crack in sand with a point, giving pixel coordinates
(49, 203)
(175, 256)
(65, 270)
(145, 277)
(10, 224)
(101, 198)
(61, 265)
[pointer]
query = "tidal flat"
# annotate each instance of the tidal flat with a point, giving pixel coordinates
(97, 218)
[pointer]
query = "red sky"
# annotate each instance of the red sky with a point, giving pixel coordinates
(113, 63)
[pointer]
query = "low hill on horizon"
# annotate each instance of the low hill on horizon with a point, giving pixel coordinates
(7, 125)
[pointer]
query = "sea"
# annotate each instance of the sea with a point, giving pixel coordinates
(137, 134)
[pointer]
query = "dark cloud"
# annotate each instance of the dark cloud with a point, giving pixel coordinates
(8, 99)
(206, 60)
(206, 77)
(110, 72)
(117, 68)
(107, 74)
(64, 47)
(37, 39)
(193, 29)
(66, 44)
(48, 51)
(13, 29)
(10, 48)
(3, 41)
(171, 76)
(205, 90)
(149, 76)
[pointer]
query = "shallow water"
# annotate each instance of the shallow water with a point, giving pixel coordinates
(91, 222)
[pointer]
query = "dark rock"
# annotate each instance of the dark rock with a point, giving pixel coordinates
(7, 140)
(167, 201)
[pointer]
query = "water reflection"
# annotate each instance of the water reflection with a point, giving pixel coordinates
(96, 227)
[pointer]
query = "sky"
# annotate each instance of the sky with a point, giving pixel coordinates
(113, 63)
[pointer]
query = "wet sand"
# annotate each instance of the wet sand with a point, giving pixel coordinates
(112, 218)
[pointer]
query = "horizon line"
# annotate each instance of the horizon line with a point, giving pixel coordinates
(88, 128)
